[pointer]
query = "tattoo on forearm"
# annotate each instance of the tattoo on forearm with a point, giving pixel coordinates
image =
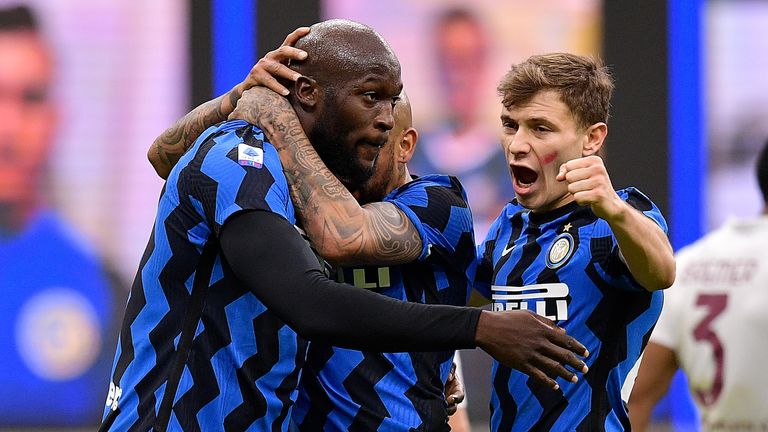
(177, 139)
(328, 211)
(395, 234)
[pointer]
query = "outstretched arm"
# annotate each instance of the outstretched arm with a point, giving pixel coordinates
(167, 148)
(342, 231)
(289, 281)
(644, 246)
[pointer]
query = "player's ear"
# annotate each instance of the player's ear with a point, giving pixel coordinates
(407, 145)
(307, 92)
(595, 137)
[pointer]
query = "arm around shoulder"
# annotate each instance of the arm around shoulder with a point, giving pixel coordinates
(289, 281)
(375, 234)
(342, 231)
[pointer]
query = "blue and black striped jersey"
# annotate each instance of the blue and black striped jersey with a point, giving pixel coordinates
(197, 350)
(343, 389)
(566, 265)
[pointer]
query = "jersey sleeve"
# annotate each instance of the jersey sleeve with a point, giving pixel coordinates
(235, 169)
(642, 203)
(605, 247)
(437, 207)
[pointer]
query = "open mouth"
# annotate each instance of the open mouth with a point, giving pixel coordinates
(524, 176)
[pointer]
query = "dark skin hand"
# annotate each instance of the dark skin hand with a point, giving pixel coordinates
(540, 349)
(517, 339)
(167, 148)
(454, 391)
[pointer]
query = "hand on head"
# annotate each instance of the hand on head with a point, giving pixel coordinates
(274, 65)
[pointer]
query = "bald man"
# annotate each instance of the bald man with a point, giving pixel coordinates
(227, 358)
(343, 389)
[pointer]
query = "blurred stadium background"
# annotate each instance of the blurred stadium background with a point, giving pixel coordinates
(687, 121)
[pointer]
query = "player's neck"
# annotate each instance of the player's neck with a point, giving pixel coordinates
(406, 177)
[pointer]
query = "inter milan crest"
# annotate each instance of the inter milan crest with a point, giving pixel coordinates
(560, 251)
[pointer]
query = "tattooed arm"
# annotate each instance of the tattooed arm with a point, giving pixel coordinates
(165, 152)
(342, 231)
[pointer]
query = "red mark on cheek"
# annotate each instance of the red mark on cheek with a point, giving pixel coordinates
(547, 159)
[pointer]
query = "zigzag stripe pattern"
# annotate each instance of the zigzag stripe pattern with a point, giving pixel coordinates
(236, 339)
(404, 391)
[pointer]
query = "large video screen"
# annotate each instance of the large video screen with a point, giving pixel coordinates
(736, 106)
(85, 86)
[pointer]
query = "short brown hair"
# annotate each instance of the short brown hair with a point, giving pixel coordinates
(583, 83)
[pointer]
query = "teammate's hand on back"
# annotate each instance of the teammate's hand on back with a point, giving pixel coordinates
(532, 344)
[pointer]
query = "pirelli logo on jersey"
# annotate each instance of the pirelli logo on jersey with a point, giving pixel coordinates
(367, 277)
(548, 300)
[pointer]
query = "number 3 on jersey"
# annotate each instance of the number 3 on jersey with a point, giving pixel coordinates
(715, 305)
